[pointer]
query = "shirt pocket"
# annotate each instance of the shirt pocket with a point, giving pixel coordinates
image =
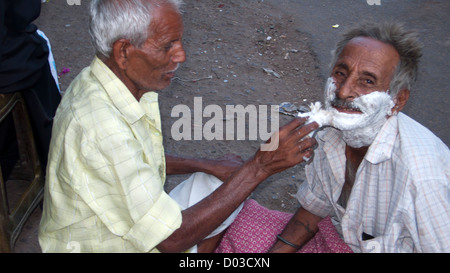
(395, 240)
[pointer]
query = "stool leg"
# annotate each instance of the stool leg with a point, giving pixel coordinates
(4, 240)
(4, 219)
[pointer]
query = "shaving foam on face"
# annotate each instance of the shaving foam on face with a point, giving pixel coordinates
(374, 106)
(359, 129)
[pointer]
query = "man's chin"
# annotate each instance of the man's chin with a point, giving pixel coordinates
(155, 88)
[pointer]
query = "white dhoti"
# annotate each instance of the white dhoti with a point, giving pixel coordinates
(195, 188)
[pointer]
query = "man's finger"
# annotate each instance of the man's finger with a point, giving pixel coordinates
(296, 122)
(306, 144)
(306, 129)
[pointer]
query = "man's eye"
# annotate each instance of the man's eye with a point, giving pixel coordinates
(367, 81)
(168, 47)
(339, 73)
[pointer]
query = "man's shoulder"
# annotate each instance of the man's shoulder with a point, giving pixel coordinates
(426, 155)
(85, 102)
(412, 134)
(84, 86)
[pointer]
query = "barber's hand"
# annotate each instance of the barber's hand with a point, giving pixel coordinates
(291, 150)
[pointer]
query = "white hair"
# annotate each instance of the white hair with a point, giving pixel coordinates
(111, 20)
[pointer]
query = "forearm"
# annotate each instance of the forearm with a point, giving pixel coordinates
(221, 167)
(299, 230)
(202, 218)
(214, 209)
(183, 165)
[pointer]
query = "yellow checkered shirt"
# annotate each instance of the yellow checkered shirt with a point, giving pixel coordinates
(104, 187)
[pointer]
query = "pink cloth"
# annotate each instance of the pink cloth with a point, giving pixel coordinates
(255, 231)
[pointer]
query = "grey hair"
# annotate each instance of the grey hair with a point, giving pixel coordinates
(404, 41)
(111, 20)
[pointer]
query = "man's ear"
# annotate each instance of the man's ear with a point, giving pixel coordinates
(400, 100)
(120, 52)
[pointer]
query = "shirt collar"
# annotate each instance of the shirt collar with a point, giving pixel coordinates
(149, 102)
(332, 139)
(119, 94)
(380, 149)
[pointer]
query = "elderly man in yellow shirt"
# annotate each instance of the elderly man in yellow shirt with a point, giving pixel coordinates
(107, 167)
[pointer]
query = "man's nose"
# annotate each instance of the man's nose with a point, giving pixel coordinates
(180, 55)
(346, 90)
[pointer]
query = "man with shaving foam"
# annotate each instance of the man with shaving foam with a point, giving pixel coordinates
(382, 177)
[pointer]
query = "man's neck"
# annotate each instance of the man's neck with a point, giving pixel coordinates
(354, 158)
(111, 64)
(355, 155)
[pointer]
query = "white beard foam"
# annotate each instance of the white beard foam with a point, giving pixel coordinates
(358, 130)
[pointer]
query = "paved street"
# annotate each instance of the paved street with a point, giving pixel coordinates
(429, 99)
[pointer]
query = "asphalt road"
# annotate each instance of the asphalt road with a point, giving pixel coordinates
(429, 100)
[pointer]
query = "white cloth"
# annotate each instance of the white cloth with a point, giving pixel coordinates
(51, 60)
(198, 186)
(401, 192)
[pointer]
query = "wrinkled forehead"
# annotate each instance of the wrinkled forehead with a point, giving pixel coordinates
(364, 52)
(166, 19)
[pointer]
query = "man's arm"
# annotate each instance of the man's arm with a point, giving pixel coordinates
(221, 168)
(299, 230)
(202, 218)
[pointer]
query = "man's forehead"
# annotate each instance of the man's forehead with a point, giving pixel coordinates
(372, 48)
(370, 52)
(166, 19)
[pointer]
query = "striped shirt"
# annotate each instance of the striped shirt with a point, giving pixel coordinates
(401, 192)
(104, 186)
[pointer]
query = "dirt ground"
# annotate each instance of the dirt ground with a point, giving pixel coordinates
(228, 44)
